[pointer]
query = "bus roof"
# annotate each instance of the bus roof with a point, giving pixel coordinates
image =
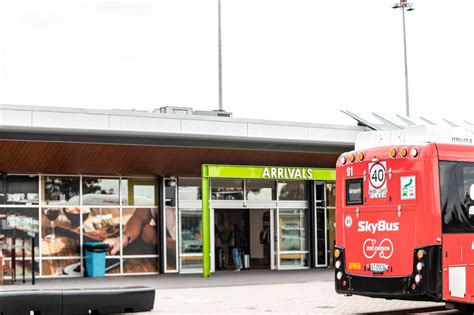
(414, 135)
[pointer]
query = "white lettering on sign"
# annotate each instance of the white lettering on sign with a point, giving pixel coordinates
(380, 226)
(287, 173)
(384, 248)
(378, 180)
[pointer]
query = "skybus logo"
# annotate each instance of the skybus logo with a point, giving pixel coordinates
(381, 226)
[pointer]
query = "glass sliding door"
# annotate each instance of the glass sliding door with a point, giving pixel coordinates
(320, 225)
(321, 245)
(293, 238)
(331, 220)
(190, 229)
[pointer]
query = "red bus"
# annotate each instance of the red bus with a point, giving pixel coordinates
(405, 216)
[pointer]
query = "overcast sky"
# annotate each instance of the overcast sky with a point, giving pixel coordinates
(298, 60)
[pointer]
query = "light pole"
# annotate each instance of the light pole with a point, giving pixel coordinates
(219, 47)
(405, 6)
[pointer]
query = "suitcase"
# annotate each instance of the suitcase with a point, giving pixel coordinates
(246, 261)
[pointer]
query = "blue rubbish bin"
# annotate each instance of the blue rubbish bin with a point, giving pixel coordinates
(95, 258)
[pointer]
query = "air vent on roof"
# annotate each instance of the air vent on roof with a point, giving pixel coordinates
(216, 113)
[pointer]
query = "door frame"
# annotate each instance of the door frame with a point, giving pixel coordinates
(316, 208)
(209, 171)
(273, 237)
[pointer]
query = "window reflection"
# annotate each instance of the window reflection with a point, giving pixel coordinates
(260, 190)
(19, 190)
(190, 189)
(227, 189)
(293, 225)
(100, 191)
(191, 237)
(331, 194)
(292, 190)
(139, 192)
(60, 190)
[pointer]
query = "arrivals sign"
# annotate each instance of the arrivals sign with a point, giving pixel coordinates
(268, 172)
(287, 173)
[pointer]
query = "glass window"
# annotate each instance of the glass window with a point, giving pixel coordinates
(293, 230)
(294, 260)
(292, 190)
(260, 190)
(139, 192)
(190, 188)
(227, 189)
(457, 203)
(191, 237)
(100, 191)
(140, 225)
(103, 225)
(190, 240)
(191, 262)
(140, 265)
(20, 222)
(320, 199)
(61, 267)
(19, 190)
(331, 194)
(60, 190)
(171, 240)
(321, 236)
(60, 232)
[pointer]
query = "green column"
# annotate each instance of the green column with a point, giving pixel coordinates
(206, 224)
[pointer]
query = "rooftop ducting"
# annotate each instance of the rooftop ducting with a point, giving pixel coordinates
(189, 111)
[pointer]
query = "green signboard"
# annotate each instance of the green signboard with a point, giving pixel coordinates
(268, 172)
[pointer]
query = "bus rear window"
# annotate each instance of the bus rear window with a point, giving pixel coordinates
(354, 191)
(457, 204)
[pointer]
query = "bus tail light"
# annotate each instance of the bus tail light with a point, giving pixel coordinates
(352, 157)
(338, 264)
(420, 254)
(393, 153)
(404, 152)
(337, 253)
(343, 160)
(418, 278)
(414, 152)
(360, 156)
(339, 275)
(419, 266)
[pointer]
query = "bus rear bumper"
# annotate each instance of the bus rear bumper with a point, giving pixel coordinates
(404, 288)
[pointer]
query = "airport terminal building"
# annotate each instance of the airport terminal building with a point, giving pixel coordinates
(159, 186)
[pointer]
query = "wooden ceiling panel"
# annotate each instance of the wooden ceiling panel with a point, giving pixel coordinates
(112, 159)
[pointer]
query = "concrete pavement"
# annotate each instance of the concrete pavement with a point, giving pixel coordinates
(258, 292)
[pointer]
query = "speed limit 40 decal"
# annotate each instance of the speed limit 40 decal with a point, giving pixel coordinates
(378, 180)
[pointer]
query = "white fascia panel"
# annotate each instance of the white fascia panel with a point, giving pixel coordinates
(70, 120)
(145, 124)
(332, 135)
(214, 128)
(277, 131)
(10, 117)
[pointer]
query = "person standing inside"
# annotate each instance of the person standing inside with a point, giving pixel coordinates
(236, 242)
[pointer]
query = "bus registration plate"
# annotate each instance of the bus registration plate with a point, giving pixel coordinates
(378, 268)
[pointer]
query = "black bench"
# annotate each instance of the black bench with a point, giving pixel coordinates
(77, 301)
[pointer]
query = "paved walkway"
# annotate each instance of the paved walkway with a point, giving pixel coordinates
(256, 292)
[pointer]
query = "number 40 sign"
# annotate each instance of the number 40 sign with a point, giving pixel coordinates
(378, 180)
